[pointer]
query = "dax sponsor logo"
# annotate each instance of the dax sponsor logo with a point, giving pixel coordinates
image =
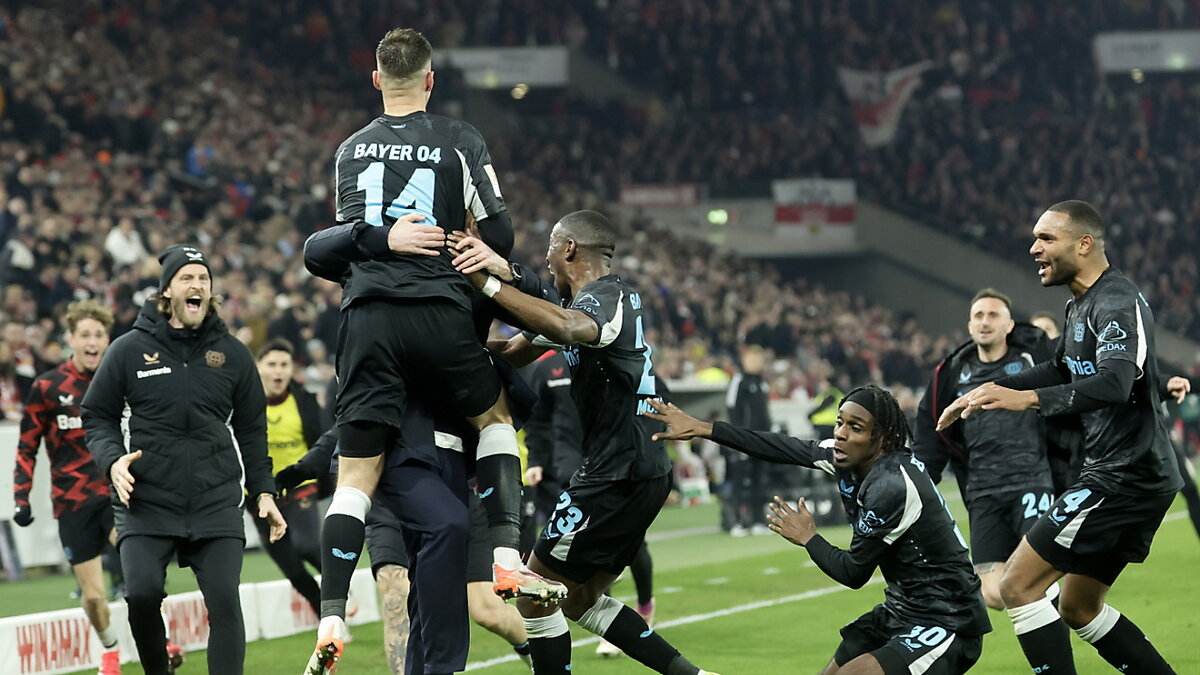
(867, 523)
(344, 555)
(214, 359)
(965, 376)
(1112, 333)
(587, 303)
(1013, 368)
(1079, 330)
(151, 359)
(1081, 367)
(847, 489)
(143, 374)
(66, 399)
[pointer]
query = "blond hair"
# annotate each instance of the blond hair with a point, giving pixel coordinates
(88, 309)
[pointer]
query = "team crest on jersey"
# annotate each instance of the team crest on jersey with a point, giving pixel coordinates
(1013, 368)
(1079, 328)
(867, 523)
(151, 359)
(214, 359)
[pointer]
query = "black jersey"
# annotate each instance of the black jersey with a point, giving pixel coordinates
(900, 523)
(612, 379)
(1126, 446)
(429, 164)
(1006, 451)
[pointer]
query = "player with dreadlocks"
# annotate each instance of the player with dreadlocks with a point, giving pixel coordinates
(932, 619)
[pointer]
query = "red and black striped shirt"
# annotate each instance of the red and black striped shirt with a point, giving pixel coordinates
(52, 415)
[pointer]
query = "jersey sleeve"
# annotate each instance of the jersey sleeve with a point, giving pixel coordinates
(33, 427)
(775, 448)
(349, 201)
(1121, 325)
(603, 301)
(478, 160)
(889, 508)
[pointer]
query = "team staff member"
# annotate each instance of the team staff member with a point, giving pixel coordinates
(748, 404)
(293, 426)
(195, 402)
(79, 489)
(1001, 454)
(1106, 374)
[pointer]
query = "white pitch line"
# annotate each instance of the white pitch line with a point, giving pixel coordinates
(696, 618)
(681, 533)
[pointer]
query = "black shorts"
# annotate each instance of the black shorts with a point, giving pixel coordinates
(599, 527)
(904, 649)
(84, 533)
(385, 541)
(1096, 534)
(385, 347)
(999, 521)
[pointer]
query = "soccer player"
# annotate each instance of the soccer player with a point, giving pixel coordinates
(1003, 454)
(407, 320)
(293, 426)
(1106, 373)
(932, 619)
(80, 491)
(602, 516)
(175, 417)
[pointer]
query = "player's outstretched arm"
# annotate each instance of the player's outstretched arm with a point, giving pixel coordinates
(518, 351)
(765, 445)
(557, 324)
(330, 252)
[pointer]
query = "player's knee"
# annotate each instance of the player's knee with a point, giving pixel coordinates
(487, 615)
(579, 601)
(143, 599)
(1015, 590)
(1077, 611)
(990, 587)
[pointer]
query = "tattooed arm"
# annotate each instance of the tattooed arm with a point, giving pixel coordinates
(393, 589)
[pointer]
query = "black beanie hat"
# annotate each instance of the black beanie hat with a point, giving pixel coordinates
(176, 257)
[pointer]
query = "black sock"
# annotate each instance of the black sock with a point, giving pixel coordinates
(551, 655)
(341, 543)
(499, 478)
(631, 634)
(642, 569)
(1049, 648)
(681, 666)
(522, 649)
(1126, 648)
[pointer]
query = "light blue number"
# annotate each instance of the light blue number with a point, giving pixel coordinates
(1074, 499)
(1029, 501)
(647, 387)
(1044, 503)
(933, 636)
(417, 195)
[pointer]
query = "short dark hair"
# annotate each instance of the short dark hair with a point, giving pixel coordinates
(591, 229)
(992, 293)
(1083, 216)
(276, 345)
(402, 53)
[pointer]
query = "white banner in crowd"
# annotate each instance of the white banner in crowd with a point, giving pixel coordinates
(500, 67)
(814, 201)
(63, 641)
(878, 99)
(1152, 50)
(664, 194)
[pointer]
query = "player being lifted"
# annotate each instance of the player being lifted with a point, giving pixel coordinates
(80, 490)
(1105, 372)
(406, 320)
(932, 619)
(602, 516)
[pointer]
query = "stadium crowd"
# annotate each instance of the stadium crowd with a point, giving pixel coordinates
(139, 122)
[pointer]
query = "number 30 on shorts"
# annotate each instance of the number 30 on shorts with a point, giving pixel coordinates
(928, 637)
(565, 519)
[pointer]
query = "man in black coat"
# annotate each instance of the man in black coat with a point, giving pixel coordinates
(196, 444)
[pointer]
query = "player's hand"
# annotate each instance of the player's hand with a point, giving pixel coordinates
(409, 235)
(533, 475)
(122, 479)
(23, 516)
(794, 524)
(1179, 388)
(476, 256)
(680, 425)
(268, 511)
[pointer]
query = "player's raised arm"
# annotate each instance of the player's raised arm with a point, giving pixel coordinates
(330, 252)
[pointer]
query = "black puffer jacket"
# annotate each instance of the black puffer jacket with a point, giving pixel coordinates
(189, 394)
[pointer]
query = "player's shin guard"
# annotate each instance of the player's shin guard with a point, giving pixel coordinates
(549, 644)
(1044, 637)
(624, 628)
(498, 470)
(1122, 644)
(341, 544)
